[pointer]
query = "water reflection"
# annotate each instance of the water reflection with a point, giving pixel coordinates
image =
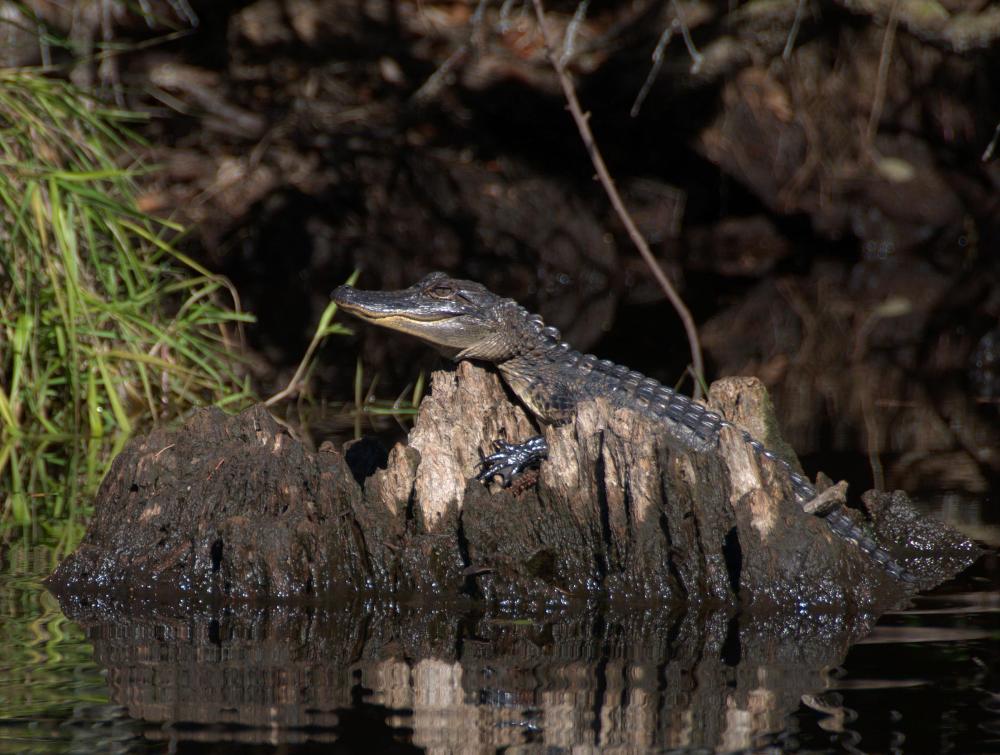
(50, 690)
(365, 677)
(449, 680)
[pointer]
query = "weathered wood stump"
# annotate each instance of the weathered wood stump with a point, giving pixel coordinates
(234, 507)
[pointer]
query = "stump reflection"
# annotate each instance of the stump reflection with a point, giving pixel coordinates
(387, 676)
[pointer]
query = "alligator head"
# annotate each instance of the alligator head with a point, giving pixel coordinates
(463, 319)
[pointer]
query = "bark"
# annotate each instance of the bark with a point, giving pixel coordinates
(235, 508)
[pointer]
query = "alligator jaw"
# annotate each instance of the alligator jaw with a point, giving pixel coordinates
(391, 306)
(447, 325)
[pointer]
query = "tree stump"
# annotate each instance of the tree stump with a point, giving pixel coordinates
(233, 507)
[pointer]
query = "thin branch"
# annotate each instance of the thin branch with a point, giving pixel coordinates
(794, 31)
(430, 89)
(878, 101)
(569, 40)
(437, 80)
(616, 201)
(294, 386)
(696, 57)
(661, 45)
(991, 147)
(654, 70)
(503, 25)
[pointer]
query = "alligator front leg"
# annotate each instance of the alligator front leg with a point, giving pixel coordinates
(511, 459)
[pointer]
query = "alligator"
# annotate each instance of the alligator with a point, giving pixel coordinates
(465, 320)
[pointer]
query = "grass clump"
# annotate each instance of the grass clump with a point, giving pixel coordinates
(104, 326)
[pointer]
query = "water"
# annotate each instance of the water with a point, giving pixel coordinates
(357, 676)
(50, 686)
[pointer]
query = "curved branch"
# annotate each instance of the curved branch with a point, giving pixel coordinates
(608, 183)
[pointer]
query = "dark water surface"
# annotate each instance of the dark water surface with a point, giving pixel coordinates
(362, 677)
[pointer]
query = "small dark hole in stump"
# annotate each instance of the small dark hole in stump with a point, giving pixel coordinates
(214, 635)
(133, 488)
(364, 457)
(216, 555)
(732, 648)
(734, 558)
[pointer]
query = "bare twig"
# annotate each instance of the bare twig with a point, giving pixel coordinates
(437, 80)
(571, 31)
(478, 31)
(184, 10)
(991, 147)
(661, 45)
(793, 33)
(883, 74)
(696, 57)
(608, 183)
(298, 379)
(654, 70)
(503, 24)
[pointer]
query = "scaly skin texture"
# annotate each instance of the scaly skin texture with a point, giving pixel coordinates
(465, 320)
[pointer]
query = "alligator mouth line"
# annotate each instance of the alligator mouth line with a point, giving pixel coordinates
(386, 318)
(385, 311)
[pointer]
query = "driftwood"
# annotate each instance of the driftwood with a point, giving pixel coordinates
(235, 508)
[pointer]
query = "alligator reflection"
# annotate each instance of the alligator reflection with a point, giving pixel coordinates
(444, 679)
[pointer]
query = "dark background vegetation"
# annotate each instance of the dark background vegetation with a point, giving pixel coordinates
(819, 186)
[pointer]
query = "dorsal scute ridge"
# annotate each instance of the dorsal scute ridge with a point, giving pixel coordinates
(549, 335)
(838, 521)
(534, 321)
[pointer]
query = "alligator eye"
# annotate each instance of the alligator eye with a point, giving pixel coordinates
(441, 292)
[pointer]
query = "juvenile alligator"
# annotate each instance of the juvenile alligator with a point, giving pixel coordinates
(465, 320)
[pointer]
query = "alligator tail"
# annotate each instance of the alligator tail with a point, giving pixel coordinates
(838, 521)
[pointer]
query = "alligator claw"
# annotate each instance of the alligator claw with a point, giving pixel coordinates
(511, 459)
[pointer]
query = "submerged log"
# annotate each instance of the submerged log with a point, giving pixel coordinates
(234, 507)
